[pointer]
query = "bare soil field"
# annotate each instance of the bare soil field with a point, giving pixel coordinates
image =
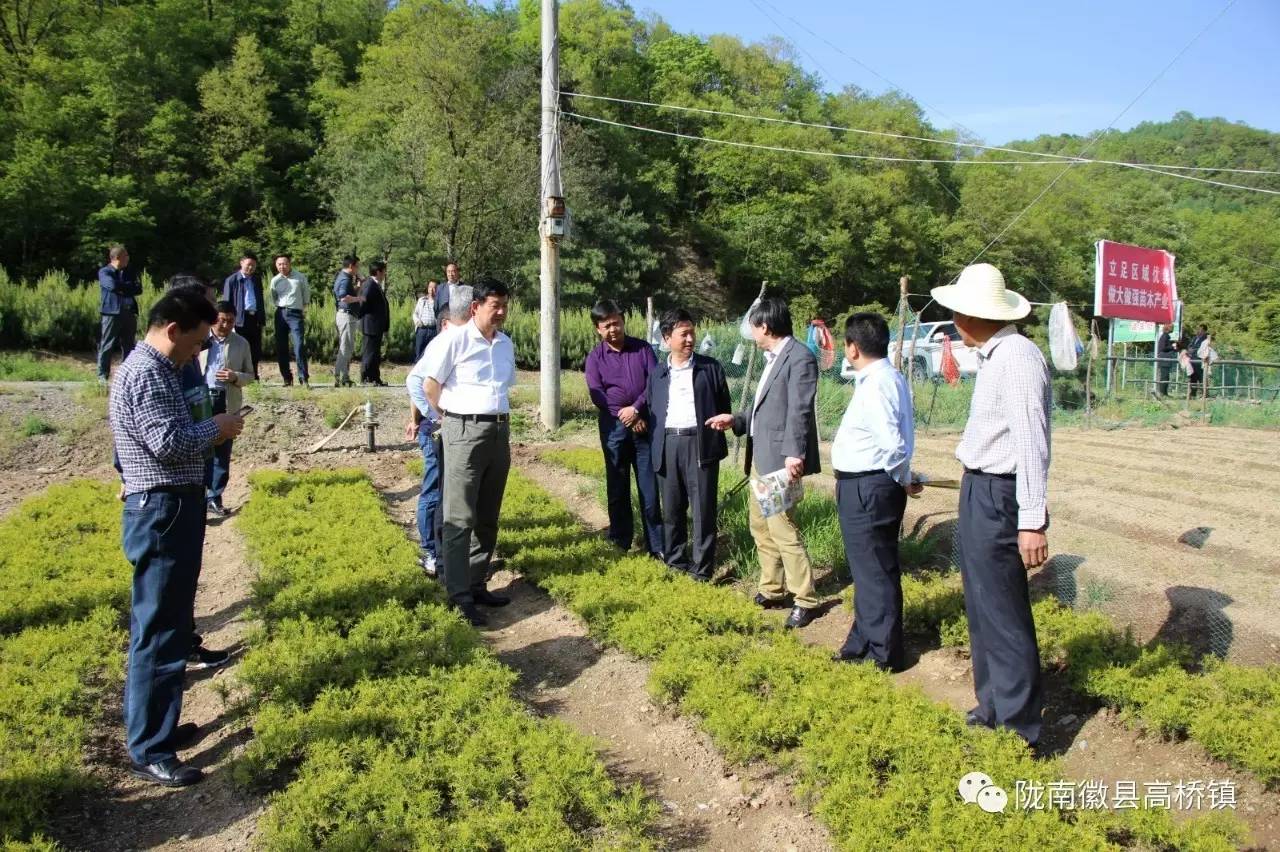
(1172, 531)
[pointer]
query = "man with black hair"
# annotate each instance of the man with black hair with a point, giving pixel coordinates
(291, 292)
(243, 288)
(469, 378)
(782, 433)
(617, 371)
(118, 308)
(346, 295)
(375, 320)
(871, 457)
(226, 367)
(161, 454)
(684, 394)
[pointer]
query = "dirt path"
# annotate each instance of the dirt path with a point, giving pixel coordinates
(214, 815)
(706, 803)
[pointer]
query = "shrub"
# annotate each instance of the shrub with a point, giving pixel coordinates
(880, 762)
(391, 728)
(29, 367)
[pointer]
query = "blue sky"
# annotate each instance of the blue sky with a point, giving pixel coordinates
(1012, 70)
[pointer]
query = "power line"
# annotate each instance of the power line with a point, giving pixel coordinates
(907, 136)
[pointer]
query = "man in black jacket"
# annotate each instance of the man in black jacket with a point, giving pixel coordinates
(1167, 355)
(243, 289)
(684, 393)
(375, 320)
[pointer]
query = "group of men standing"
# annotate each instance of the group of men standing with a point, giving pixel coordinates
(359, 304)
(663, 423)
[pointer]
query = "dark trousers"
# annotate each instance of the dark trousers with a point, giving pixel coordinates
(870, 510)
(429, 494)
(371, 358)
(163, 536)
(252, 332)
(290, 331)
(623, 452)
(1163, 369)
(477, 459)
(686, 484)
(422, 336)
(1002, 635)
(217, 470)
(119, 331)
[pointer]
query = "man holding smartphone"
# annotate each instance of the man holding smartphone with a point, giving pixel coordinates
(227, 367)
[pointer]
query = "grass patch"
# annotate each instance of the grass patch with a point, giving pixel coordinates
(880, 764)
(392, 727)
(34, 424)
(64, 586)
(35, 367)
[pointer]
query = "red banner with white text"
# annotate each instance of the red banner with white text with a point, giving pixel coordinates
(1135, 283)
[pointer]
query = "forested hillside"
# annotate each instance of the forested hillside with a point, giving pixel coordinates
(191, 130)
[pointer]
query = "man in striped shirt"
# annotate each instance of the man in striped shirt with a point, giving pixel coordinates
(161, 451)
(1001, 531)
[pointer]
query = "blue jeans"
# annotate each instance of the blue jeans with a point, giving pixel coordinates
(623, 452)
(422, 336)
(163, 536)
(290, 325)
(429, 496)
(217, 470)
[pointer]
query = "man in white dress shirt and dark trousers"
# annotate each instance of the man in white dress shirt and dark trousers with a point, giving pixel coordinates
(782, 432)
(469, 379)
(871, 456)
(1003, 513)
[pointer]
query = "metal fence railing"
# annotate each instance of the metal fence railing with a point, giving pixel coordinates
(1251, 381)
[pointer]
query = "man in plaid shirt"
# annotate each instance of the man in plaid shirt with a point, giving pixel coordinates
(161, 453)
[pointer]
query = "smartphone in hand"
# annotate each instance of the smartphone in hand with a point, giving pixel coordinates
(244, 410)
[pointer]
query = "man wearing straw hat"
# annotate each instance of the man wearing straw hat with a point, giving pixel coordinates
(1003, 514)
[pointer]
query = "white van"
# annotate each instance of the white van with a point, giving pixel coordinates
(925, 357)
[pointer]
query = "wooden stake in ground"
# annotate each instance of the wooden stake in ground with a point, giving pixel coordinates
(902, 319)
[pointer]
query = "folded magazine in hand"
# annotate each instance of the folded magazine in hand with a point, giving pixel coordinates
(776, 492)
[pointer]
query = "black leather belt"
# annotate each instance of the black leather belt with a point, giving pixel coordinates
(840, 474)
(480, 418)
(1009, 476)
(180, 490)
(685, 432)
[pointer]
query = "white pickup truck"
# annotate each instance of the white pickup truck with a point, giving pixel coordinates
(926, 356)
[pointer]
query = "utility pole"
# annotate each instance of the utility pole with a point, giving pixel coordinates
(551, 225)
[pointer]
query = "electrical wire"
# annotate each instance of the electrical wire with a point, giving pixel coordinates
(909, 137)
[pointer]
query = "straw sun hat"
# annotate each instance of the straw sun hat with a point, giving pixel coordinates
(980, 292)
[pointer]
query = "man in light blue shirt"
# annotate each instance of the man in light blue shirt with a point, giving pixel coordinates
(424, 427)
(871, 455)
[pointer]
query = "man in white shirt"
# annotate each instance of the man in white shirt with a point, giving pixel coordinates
(871, 456)
(782, 433)
(469, 379)
(424, 427)
(291, 292)
(1003, 514)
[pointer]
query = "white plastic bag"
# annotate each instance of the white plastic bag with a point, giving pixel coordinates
(745, 327)
(1064, 345)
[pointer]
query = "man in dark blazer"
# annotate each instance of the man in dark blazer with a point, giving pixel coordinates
(243, 289)
(375, 320)
(1167, 355)
(118, 307)
(452, 281)
(685, 392)
(782, 433)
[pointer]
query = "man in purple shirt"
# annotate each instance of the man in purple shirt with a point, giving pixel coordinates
(617, 371)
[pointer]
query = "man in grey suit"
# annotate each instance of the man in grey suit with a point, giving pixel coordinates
(781, 433)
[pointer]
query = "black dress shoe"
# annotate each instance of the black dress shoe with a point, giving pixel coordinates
(473, 615)
(170, 772)
(773, 603)
(846, 657)
(799, 617)
(975, 719)
(484, 597)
